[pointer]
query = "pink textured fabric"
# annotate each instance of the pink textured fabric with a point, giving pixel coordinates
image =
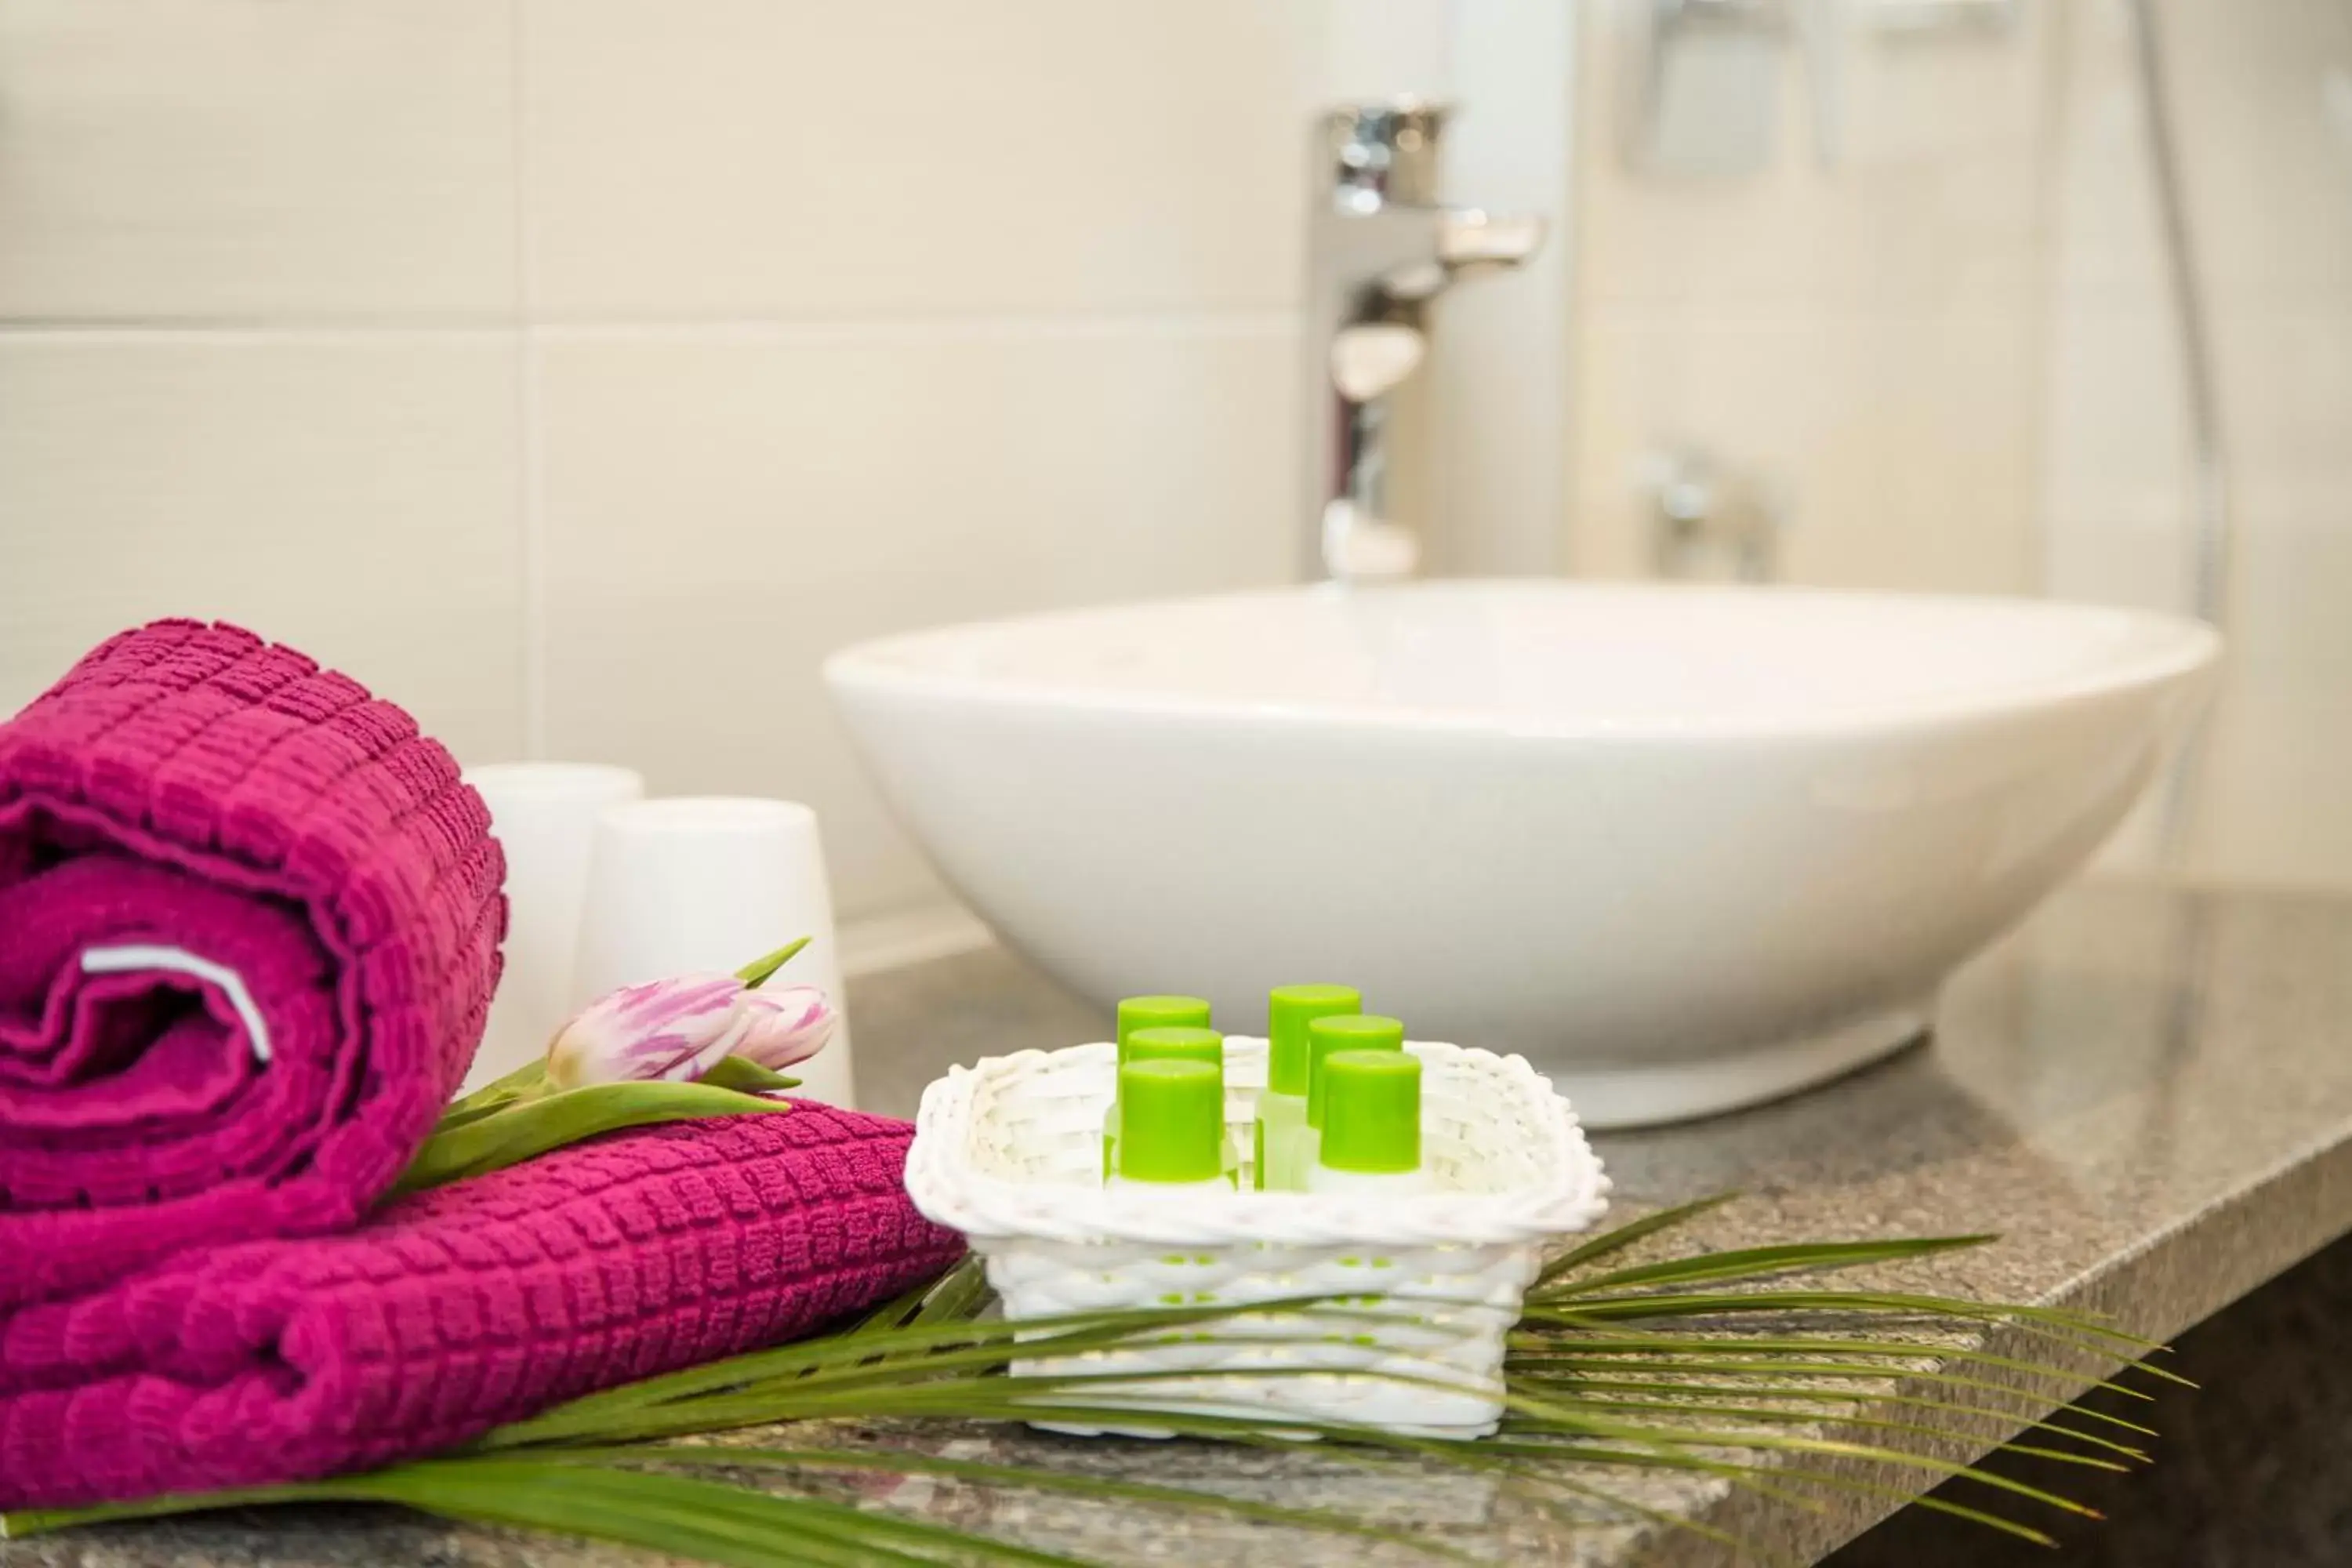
(188, 785)
(460, 1308)
(192, 1294)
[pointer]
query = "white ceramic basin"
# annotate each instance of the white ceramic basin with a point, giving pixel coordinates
(1686, 848)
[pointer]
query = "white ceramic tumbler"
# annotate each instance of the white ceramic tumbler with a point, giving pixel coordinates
(544, 815)
(711, 884)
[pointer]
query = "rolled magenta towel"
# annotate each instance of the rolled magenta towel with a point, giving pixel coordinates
(460, 1308)
(248, 932)
(249, 922)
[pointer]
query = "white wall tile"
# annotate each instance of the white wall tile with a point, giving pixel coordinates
(2270, 809)
(789, 159)
(724, 509)
(1499, 371)
(1854, 323)
(2103, 232)
(2286, 390)
(2267, 163)
(2147, 565)
(1901, 445)
(354, 498)
(176, 159)
(2114, 447)
(2291, 637)
(1926, 197)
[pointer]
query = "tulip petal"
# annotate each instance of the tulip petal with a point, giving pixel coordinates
(663, 1029)
(791, 1024)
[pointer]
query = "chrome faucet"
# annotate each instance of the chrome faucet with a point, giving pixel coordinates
(1380, 247)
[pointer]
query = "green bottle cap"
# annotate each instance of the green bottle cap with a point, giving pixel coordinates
(1172, 1121)
(1344, 1032)
(1289, 1009)
(1163, 1043)
(1371, 1111)
(1159, 1013)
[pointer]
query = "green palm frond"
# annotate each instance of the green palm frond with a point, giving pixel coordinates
(1618, 1238)
(1729, 1365)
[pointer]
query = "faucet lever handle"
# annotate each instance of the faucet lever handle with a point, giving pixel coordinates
(1371, 357)
(1472, 237)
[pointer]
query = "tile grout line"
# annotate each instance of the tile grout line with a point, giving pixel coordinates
(532, 516)
(364, 330)
(530, 488)
(309, 331)
(978, 327)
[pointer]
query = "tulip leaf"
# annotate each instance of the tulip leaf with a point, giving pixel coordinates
(747, 1077)
(528, 1081)
(757, 973)
(518, 1132)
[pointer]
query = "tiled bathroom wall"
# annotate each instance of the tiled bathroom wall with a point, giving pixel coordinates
(1853, 325)
(1943, 334)
(579, 372)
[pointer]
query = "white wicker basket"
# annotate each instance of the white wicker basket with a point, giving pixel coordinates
(1010, 1153)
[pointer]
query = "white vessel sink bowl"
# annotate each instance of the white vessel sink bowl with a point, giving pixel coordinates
(1686, 848)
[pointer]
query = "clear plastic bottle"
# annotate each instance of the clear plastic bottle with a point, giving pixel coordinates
(1372, 1125)
(1145, 1013)
(1281, 1108)
(1171, 1127)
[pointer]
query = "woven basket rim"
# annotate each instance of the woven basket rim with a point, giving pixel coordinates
(990, 1209)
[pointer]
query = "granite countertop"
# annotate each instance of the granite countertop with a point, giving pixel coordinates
(2147, 1088)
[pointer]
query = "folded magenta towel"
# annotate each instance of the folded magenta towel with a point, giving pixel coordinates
(248, 932)
(249, 922)
(460, 1308)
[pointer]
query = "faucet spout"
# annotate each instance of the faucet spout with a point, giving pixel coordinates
(1381, 249)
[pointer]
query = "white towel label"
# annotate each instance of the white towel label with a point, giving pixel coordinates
(179, 961)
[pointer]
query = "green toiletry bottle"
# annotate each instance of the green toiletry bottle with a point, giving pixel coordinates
(1165, 1043)
(1171, 1127)
(1371, 1140)
(1349, 1032)
(1282, 1109)
(1145, 1013)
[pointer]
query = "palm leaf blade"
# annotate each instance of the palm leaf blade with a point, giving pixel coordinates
(1756, 1262)
(1617, 1238)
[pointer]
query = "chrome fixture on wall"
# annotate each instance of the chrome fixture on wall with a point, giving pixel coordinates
(1711, 522)
(1707, 102)
(1706, 98)
(1380, 247)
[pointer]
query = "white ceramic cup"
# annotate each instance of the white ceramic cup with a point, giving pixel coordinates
(711, 884)
(544, 815)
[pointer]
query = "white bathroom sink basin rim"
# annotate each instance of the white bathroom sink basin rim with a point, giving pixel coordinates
(2144, 648)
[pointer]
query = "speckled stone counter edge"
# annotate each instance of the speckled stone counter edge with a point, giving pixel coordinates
(2172, 1281)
